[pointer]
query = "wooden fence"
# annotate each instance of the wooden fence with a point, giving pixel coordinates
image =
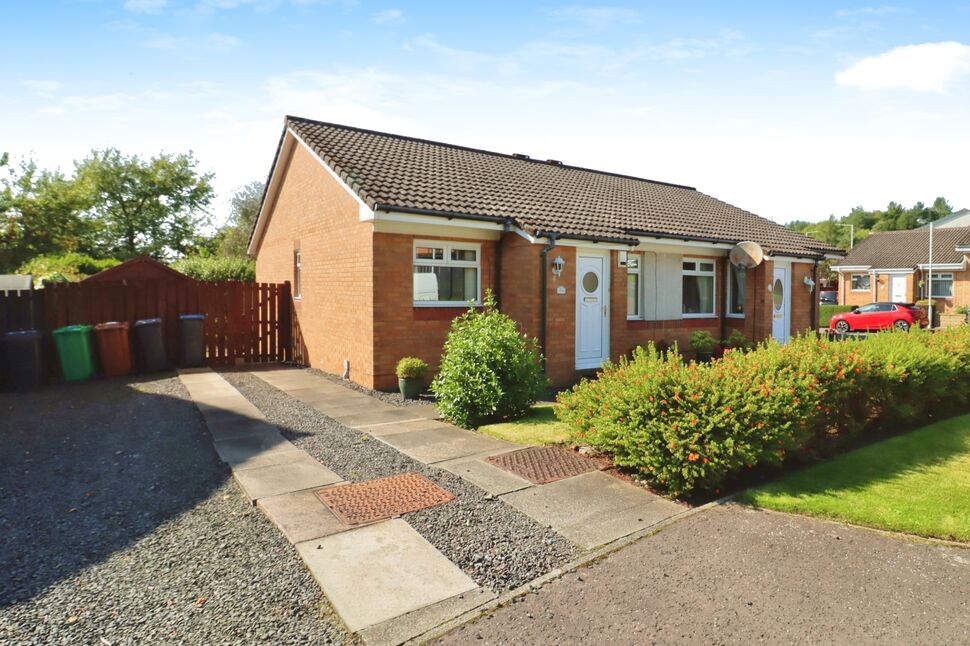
(244, 322)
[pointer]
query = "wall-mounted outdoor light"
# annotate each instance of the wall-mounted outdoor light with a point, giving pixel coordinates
(810, 284)
(557, 265)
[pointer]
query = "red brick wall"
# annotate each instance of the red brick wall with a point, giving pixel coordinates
(400, 329)
(315, 213)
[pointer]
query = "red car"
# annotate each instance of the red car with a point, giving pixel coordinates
(879, 316)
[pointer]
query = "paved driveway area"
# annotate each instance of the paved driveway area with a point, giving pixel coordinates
(734, 575)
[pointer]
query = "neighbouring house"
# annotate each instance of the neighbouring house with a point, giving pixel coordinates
(893, 266)
(140, 268)
(385, 239)
(959, 218)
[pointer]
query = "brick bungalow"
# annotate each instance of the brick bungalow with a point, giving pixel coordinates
(893, 266)
(386, 238)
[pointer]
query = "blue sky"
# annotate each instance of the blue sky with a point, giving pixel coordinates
(788, 111)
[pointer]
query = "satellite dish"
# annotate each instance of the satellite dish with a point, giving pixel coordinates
(746, 255)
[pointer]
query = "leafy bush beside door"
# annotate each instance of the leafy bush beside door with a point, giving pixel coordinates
(489, 370)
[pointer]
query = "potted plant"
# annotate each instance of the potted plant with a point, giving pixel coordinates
(410, 376)
(702, 343)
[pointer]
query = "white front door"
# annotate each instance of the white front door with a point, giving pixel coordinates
(592, 311)
(781, 303)
(897, 288)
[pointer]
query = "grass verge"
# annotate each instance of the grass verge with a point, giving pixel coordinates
(917, 483)
(540, 426)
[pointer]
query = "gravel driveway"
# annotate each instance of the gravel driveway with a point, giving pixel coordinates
(120, 525)
(732, 575)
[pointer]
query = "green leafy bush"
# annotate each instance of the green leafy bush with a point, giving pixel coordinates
(411, 368)
(737, 341)
(489, 370)
(68, 267)
(826, 312)
(702, 341)
(686, 426)
(217, 268)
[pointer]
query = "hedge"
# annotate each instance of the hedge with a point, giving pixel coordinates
(826, 312)
(217, 268)
(690, 427)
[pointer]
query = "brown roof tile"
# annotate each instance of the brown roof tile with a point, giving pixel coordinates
(907, 249)
(395, 172)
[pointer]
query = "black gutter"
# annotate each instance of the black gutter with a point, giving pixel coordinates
(543, 297)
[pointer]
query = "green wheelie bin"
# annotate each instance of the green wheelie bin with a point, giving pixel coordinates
(75, 349)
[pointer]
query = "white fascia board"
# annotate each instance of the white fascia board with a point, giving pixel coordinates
(436, 220)
(272, 190)
(801, 259)
(953, 266)
(844, 268)
(365, 212)
(893, 270)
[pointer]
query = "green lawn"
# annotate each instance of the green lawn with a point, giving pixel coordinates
(540, 426)
(918, 483)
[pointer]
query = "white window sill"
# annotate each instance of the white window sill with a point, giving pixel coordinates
(635, 318)
(698, 316)
(734, 316)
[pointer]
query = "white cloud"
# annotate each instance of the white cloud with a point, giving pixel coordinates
(389, 16)
(883, 10)
(222, 42)
(45, 88)
(596, 18)
(145, 6)
(930, 67)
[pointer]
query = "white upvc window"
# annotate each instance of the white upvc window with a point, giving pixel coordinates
(942, 286)
(446, 273)
(860, 282)
(735, 308)
(698, 280)
(634, 287)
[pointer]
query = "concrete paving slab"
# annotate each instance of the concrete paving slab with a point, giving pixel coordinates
(485, 476)
(593, 508)
(295, 475)
(376, 416)
(439, 444)
(400, 629)
(237, 451)
(242, 428)
(381, 571)
(391, 428)
(301, 516)
(340, 396)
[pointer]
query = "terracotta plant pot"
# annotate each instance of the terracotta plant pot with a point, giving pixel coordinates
(410, 388)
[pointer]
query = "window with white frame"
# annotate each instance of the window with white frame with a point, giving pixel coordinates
(860, 282)
(634, 287)
(698, 276)
(297, 278)
(735, 291)
(446, 273)
(942, 286)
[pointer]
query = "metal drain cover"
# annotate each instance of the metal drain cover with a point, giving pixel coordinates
(542, 464)
(366, 502)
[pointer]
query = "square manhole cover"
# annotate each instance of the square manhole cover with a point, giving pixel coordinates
(542, 464)
(366, 502)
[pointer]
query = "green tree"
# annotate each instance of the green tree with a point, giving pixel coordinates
(154, 207)
(40, 213)
(233, 237)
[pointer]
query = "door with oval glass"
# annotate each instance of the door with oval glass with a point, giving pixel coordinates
(592, 311)
(781, 303)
